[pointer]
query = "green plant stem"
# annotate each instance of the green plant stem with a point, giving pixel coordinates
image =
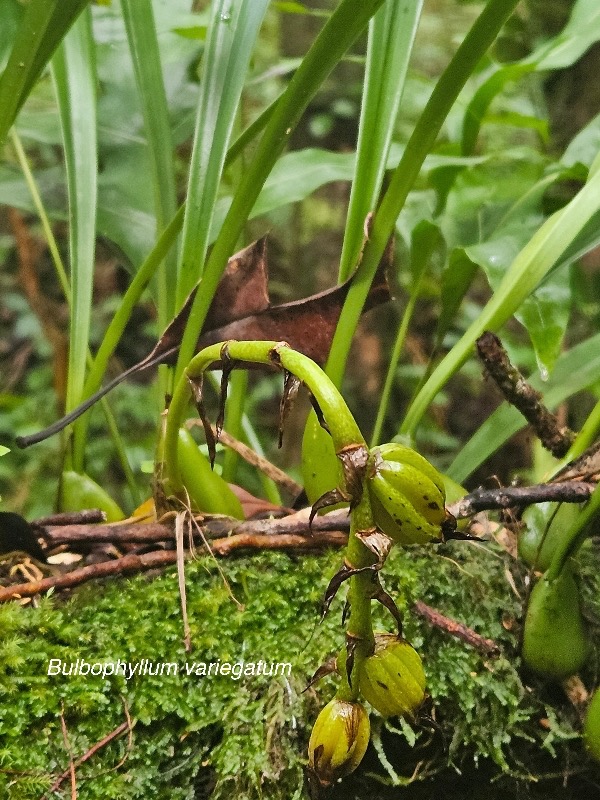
(344, 433)
(344, 430)
(571, 541)
(41, 211)
(393, 365)
(360, 624)
(471, 51)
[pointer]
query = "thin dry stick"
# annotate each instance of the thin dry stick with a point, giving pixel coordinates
(124, 726)
(179, 522)
(71, 769)
(486, 646)
(520, 496)
(89, 515)
(519, 393)
(280, 477)
(137, 563)
(212, 527)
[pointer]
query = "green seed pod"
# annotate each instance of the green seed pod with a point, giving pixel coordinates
(555, 642)
(78, 492)
(407, 495)
(393, 452)
(591, 727)
(417, 487)
(392, 680)
(338, 740)
(397, 517)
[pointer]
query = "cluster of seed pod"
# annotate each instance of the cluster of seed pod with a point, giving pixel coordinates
(407, 497)
(392, 681)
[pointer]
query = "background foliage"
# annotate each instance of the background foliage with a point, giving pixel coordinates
(139, 112)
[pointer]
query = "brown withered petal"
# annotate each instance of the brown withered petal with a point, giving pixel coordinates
(387, 601)
(325, 669)
(228, 364)
(343, 574)
(354, 460)
(196, 385)
(291, 385)
(377, 542)
(330, 498)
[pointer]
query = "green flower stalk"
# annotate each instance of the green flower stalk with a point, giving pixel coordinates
(348, 442)
(408, 497)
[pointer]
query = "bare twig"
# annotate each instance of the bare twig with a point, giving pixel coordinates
(71, 770)
(87, 516)
(519, 393)
(212, 528)
(520, 496)
(486, 646)
(179, 534)
(124, 726)
(280, 477)
(163, 558)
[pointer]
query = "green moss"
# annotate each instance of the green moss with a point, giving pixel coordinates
(221, 737)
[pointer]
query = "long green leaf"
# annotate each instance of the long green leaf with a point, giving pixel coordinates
(526, 272)
(41, 30)
(141, 34)
(391, 36)
(232, 32)
(75, 80)
(474, 46)
(343, 27)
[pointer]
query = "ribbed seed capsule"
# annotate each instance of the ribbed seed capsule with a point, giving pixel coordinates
(392, 680)
(422, 492)
(338, 740)
(397, 517)
(407, 495)
(394, 452)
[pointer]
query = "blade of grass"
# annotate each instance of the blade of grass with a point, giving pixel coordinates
(232, 32)
(339, 32)
(74, 75)
(524, 275)
(42, 28)
(426, 239)
(64, 283)
(391, 37)
(143, 44)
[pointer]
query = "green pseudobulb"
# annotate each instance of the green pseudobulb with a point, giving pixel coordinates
(545, 526)
(79, 492)
(555, 642)
(591, 727)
